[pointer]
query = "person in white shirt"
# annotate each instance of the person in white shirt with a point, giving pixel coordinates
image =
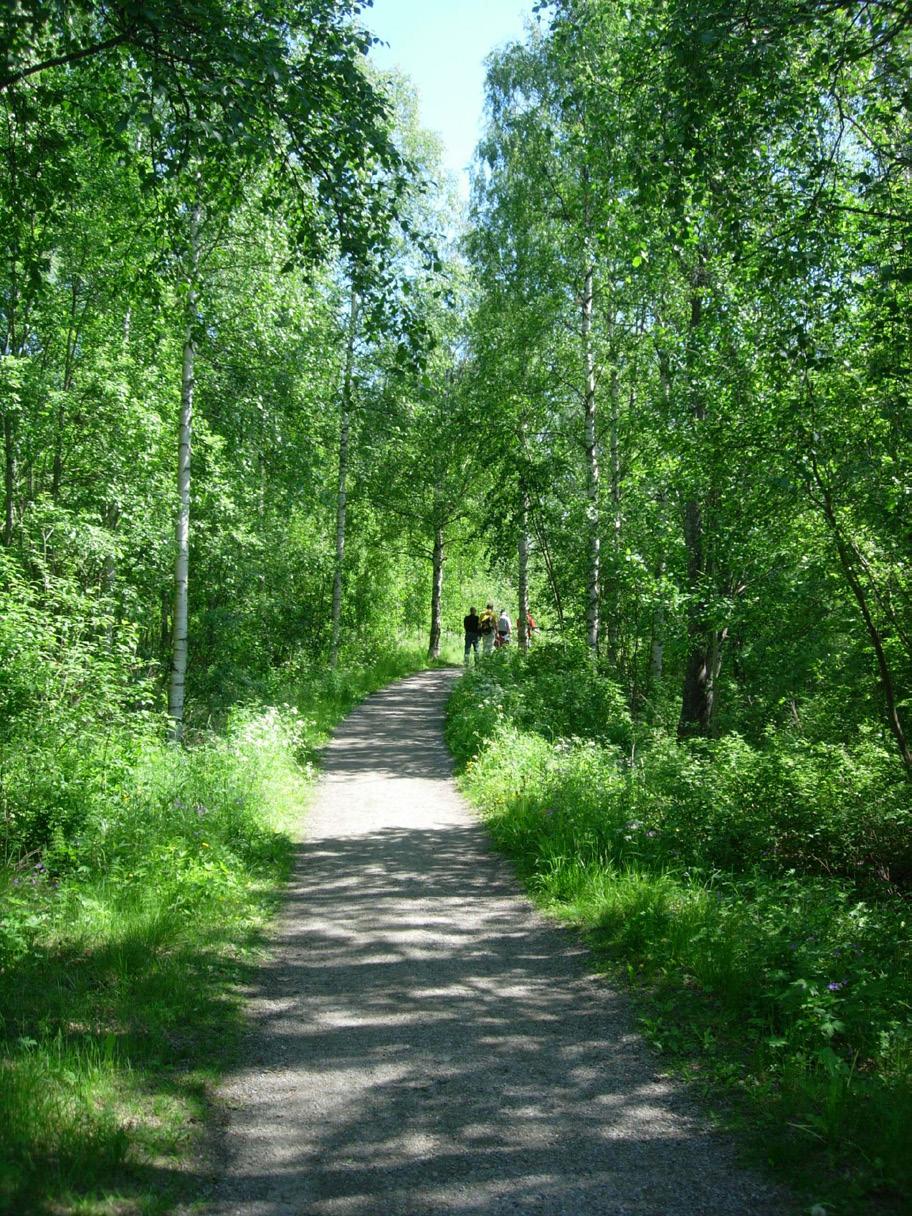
(503, 627)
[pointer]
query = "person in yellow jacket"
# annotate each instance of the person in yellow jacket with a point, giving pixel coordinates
(487, 628)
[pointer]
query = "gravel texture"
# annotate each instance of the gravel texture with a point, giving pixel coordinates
(422, 1041)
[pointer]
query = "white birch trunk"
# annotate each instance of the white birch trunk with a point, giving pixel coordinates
(109, 569)
(523, 626)
(657, 650)
(593, 590)
(9, 446)
(436, 595)
(179, 625)
(342, 491)
(9, 477)
(616, 462)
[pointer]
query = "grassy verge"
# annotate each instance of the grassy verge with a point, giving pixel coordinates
(123, 940)
(786, 994)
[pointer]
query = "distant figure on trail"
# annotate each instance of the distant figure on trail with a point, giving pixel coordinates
(472, 626)
(503, 628)
(488, 628)
(531, 627)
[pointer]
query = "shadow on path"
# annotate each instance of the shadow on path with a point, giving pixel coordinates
(423, 1042)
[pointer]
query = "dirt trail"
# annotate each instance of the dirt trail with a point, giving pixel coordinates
(423, 1042)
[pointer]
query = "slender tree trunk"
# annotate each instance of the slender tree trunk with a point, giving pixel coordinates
(657, 646)
(523, 554)
(698, 695)
(165, 604)
(69, 368)
(436, 595)
(857, 588)
(593, 590)
(341, 495)
(179, 623)
(9, 441)
(657, 649)
(549, 568)
(109, 568)
(9, 475)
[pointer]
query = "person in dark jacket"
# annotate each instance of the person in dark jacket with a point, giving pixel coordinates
(472, 626)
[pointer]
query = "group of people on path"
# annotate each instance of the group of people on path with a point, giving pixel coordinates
(491, 629)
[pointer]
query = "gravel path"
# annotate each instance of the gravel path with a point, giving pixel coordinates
(424, 1042)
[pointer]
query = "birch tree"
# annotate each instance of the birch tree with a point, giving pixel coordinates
(345, 407)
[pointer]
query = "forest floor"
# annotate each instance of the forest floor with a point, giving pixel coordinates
(423, 1041)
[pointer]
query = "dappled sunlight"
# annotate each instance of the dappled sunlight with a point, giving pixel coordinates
(423, 1041)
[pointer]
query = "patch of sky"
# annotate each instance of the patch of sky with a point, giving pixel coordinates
(441, 45)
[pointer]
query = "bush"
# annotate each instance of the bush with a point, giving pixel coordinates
(753, 887)
(138, 876)
(789, 805)
(74, 712)
(555, 692)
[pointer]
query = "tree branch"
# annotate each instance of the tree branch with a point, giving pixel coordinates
(85, 52)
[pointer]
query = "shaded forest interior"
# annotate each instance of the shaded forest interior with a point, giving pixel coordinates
(278, 408)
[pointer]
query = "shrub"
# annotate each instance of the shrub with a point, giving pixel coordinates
(755, 887)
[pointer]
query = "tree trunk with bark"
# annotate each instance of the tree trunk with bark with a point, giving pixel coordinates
(436, 595)
(698, 695)
(9, 475)
(593, 590)
(523, 556)
(856, 585)
(179, 621)
(342, 491)
(9, 434)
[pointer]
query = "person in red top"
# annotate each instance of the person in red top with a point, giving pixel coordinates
(531, 627)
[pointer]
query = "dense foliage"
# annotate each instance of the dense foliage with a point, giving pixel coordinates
(123, 940)
(192, 197)
(690, 235)
(747, 885)
(269, 403)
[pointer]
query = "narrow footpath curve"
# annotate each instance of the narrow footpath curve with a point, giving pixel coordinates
(424, 1042)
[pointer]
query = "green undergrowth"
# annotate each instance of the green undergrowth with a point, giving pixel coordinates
(138, 879)
(745, 893)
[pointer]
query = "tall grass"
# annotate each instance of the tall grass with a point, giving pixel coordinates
(767, 949)
(125, 926)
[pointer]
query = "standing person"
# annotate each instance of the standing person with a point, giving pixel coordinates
(503, 627)
(472, 626)
(531, 627)
(487, 628)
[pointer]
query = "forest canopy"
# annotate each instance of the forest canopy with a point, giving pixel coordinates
(275, 402)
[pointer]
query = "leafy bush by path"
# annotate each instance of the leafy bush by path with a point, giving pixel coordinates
(134, 895)
(744, 891)
(792, 805)
(554, 692)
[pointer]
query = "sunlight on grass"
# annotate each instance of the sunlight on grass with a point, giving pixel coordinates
(778, 988)
(122, 948)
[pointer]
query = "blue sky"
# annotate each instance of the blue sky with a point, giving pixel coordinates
(441, 45)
